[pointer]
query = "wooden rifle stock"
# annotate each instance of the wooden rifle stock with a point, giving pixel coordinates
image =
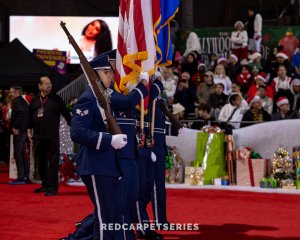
(175, 121)
(97, 88)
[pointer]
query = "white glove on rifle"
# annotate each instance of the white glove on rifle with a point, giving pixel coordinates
(118, 141)
(153, 157)
(144, 76)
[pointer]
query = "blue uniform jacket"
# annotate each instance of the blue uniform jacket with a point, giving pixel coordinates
(159, 119)
(96, 155)
(124, 109)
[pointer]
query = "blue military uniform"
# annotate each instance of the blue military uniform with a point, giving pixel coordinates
(152, 174)
(97, 164)
(124, 110)
(160, 150)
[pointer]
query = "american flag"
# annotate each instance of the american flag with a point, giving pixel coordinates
(136, 46)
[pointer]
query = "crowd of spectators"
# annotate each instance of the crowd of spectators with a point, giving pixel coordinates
(241, 89)
(234, 89)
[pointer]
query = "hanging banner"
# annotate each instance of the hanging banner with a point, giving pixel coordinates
(218, 40)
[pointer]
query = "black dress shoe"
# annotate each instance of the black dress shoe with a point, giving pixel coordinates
(152, 235)
(50, 193)
(40, 190)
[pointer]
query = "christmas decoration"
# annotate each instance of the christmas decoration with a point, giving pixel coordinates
(297, 183)
(67, 168)
(197, 177)
(289, 43)
(66, 144)
(287, 184)
(174, 167)
(210, 154)
(250, 171)
(268, 183)
(296, 161)
(281, 164)
(225, 181)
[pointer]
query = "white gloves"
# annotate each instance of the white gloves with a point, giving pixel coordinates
(153, 157)
(118, 141)
(157, 75)
(145, 76)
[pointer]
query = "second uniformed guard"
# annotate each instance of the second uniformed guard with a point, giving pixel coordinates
(97, 163)
(152, 166)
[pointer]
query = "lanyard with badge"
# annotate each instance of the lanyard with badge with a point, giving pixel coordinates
(41, 109)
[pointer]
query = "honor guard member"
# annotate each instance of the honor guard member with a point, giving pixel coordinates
(124, 108)
(152, 165)
(160, 150)
(96, 160)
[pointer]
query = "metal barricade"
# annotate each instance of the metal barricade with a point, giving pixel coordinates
(73, 89)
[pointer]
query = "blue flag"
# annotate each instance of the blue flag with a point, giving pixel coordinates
(164, 50)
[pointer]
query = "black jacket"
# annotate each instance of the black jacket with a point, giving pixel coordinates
(47, 126)
(248, 116)
(290, 115)
(20, 114)
(186, 98)
(217, 101)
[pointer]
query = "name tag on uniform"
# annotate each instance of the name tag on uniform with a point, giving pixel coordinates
(40, 112)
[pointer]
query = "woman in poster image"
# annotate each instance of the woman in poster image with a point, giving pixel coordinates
(96, 39)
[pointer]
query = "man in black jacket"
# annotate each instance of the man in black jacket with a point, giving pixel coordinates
(18, 126)
(255, 114)
(45, 110)
(284, 112)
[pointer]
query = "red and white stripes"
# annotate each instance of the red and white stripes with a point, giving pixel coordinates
(136, 48)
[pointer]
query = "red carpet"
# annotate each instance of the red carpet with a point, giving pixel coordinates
(222, 215)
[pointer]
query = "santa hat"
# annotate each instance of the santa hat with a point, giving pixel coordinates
(254, 99)
(201, 64)
(239, 23)
(261, 76)
(282, 101)
(254, 56)
(177, 108)
(178, 56)
(282, 55)
(221, 59)
(234, 57)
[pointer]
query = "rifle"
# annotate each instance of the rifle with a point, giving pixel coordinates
(175, 121)
(97, 88)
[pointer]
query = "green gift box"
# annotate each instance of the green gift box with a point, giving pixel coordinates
(210, 155)
(268, 183)
(297, 183)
